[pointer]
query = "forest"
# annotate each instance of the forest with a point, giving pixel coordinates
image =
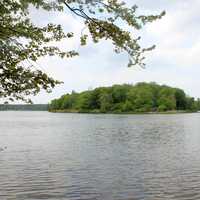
(23, 107)
(127, 98)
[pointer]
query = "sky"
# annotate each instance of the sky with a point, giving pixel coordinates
(174, 62)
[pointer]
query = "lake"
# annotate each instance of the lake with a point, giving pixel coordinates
(99, 157)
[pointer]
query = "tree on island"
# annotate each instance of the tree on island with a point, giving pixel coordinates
(21, 40)
(139, 98)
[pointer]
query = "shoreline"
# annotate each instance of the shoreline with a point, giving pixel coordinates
(125, 113)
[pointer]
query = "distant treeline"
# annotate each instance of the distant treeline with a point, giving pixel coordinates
(24, 107)
(142, 97)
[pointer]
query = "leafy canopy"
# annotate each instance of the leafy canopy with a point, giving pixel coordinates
(142, 97)
(23, 42)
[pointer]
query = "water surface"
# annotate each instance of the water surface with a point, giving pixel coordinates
(104, 157)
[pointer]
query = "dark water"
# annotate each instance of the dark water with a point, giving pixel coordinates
(103, 157)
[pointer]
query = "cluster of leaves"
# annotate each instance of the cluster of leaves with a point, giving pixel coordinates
(22, 43)
(143, 97)
(103, 22)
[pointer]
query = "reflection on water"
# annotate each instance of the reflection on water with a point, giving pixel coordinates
(80, 156)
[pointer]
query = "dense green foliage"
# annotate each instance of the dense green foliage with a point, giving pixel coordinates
(24, 107)
(142, 97)
(22, 42)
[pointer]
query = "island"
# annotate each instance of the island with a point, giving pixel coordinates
(127, 98)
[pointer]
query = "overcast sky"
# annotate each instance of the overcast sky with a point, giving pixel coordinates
(175, 61)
